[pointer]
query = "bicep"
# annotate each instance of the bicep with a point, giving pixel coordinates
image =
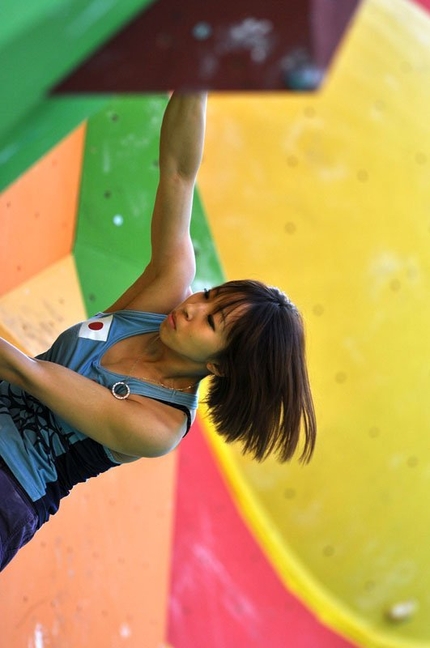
(166, 280)
(161, 294)
(133, 427)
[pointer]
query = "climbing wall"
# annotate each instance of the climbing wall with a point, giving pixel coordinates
(323, 194)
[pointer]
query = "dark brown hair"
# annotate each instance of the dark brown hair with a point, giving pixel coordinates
(263, 399)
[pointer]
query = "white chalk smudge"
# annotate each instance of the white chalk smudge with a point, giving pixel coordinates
(38, 637)
(238, 602)
(251, 34)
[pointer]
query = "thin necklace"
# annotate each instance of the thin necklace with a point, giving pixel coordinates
(121, 389)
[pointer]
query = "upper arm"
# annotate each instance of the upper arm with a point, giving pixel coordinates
(137, 427)
(166, 280)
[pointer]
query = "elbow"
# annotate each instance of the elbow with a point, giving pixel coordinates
(161, 447)
(181, 175)
(147, 446)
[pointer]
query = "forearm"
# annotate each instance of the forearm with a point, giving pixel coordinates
(37, 377)
(182, 135)
(181, 147)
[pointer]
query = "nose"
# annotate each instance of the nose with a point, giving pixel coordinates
(193, 310)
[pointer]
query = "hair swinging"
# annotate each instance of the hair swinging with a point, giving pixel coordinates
(263, 399)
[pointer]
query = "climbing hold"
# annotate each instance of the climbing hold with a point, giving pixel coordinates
(202, 31)
(401, 611)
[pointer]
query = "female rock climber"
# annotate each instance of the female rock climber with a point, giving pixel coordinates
(123, 384)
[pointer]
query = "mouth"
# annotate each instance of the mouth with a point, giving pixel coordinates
(171, 318)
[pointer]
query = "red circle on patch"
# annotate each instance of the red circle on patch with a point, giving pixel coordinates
(96, 326)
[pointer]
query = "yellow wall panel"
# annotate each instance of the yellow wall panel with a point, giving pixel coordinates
(327, 195)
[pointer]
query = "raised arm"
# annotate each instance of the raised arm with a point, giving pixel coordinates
(166, 280)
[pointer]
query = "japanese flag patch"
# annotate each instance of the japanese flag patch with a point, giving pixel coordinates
(96, 328)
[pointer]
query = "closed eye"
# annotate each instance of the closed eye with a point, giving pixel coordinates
(210, 318)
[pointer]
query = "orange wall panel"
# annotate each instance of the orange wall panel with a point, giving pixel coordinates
(38, 213)
(96, 576)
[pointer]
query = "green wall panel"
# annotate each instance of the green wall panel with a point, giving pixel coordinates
(41, 42)
(47, 125)
(119, 180)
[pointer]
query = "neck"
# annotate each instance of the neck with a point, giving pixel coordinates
(170, 366)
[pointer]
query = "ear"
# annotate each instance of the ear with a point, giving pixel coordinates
(214, 369)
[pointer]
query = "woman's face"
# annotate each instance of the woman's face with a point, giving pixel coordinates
(194, 330)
